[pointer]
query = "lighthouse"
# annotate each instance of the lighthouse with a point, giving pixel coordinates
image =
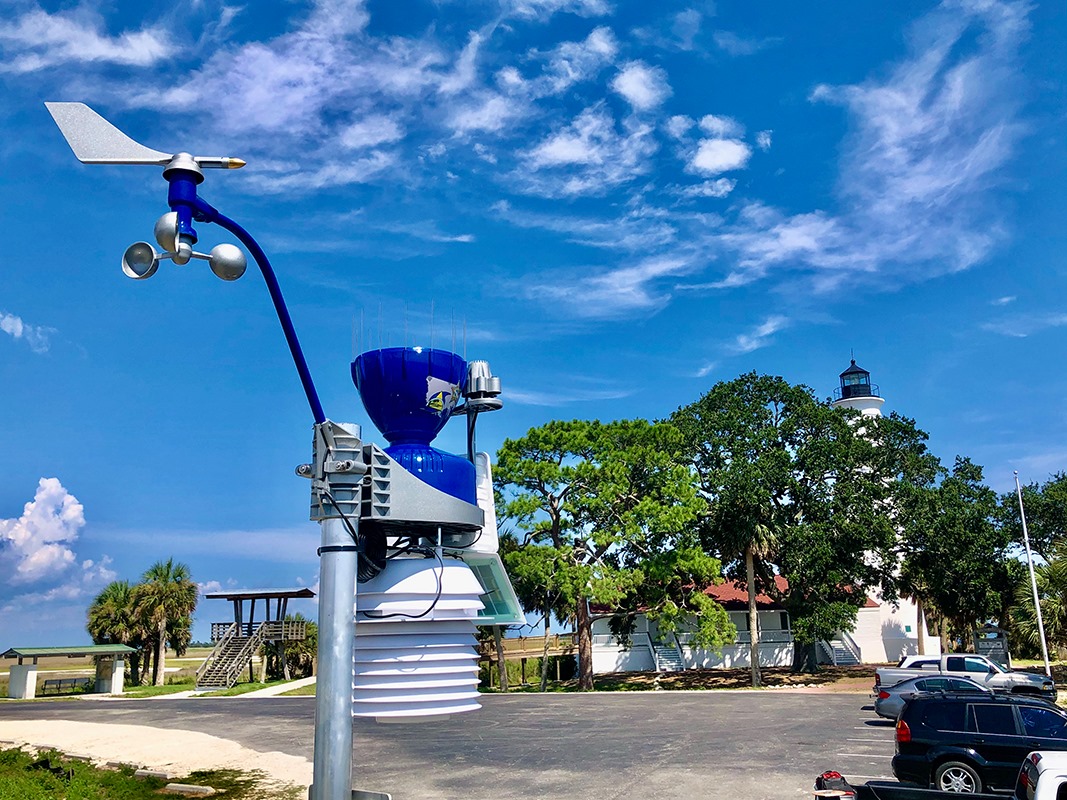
(857, 391)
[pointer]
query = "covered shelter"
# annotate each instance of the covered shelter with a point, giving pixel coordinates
(238, 641)
(110, 668)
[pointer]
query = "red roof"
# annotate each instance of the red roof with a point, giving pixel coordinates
(734, 595)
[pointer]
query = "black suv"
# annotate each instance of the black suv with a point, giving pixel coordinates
(964, 743)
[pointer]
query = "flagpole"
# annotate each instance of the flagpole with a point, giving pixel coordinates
(1033, 577)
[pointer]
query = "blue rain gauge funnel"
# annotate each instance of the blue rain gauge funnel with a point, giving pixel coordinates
(409, 394)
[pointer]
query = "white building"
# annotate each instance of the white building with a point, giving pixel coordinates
(884, 632)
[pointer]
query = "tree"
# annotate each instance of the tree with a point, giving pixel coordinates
(299, 655)
(606, 509)
(1046, 515)
(803, 490)
(111, 620)
(532, 570)
(954, 548)
(166, 599)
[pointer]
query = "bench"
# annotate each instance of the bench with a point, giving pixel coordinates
(60, 685)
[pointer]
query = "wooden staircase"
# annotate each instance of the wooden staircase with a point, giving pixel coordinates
(231, 655)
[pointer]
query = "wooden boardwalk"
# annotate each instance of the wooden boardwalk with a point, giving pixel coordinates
(523, 647)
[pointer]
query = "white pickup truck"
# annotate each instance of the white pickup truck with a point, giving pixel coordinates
(965, 665)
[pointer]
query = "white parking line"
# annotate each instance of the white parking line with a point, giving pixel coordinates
(861, 755)
(872, 741)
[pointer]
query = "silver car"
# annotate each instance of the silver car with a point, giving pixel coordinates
(891, 699)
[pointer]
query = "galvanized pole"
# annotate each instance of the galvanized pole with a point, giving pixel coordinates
(337, 475)
(1033, 577)
(333, 690)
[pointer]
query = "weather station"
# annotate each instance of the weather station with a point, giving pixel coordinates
(408, 552)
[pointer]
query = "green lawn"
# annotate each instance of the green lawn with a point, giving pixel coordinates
(49, 776)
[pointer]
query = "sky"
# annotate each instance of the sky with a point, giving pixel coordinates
(617, 204)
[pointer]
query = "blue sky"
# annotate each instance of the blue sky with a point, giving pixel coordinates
(617, 204)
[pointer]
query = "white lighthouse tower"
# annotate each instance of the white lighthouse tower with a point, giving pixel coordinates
(857, 392)
(884, 631)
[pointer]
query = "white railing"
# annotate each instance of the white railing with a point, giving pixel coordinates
(768, 636)
(850, 645)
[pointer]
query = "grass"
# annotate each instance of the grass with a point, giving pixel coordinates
(303, 691)
(50, 776)
(241, 688)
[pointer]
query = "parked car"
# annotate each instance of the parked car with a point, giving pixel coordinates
(891, 699)
(961, 665)
(967, 743)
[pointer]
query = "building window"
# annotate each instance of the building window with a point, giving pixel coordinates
(784, 616)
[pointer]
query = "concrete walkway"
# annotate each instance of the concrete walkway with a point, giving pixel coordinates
(272, 691)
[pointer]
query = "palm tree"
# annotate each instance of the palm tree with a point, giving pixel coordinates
(1052, 589)
(110, 615)
(165, 596)
(111, 619)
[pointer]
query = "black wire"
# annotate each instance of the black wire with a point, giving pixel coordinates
(351, 531)
(433, 605)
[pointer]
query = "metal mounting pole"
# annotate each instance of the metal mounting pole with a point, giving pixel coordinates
(1033, 577)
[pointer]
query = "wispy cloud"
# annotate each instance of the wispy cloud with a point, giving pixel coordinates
(589, 156)
(760, 336)
(37, 40)
(552, 399)
(929, 137)
(1022, 326)
(1003, 301)
(36, 336)
(612, 293)
(735, 45)
(543, 9)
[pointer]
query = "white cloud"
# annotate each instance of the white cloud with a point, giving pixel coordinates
(1003, 301)
(760, 336)
(490, 112)
(35, 545)
(720, 187)
(550, 398)
(543, 9)
(371, 131)
(36, 336)
(464, 72)
(678, 126)
(644, 87)
(589, 156)
(686, 26)
(705, 369)
(718, 127)
(1024, 326)
(640, 230)
(38, 40)
(614, 292)
(570, 62)
(763, 140)
(720, 155)
(929, 140)
(734, 45)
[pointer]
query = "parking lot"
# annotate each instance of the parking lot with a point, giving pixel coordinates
(622, 746)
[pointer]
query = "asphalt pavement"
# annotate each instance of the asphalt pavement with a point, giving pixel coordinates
(766, 745)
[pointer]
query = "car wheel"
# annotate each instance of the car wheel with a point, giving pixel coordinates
(955, 776)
